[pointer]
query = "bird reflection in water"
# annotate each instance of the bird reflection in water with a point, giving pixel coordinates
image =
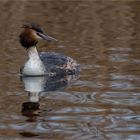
(35, 86)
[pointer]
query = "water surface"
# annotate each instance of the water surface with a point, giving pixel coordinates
(103, 103)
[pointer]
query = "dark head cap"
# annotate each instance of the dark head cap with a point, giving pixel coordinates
(33, 26)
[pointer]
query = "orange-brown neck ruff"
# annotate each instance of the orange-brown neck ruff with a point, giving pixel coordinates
(27, 38)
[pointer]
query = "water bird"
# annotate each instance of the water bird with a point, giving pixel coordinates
(43, 63)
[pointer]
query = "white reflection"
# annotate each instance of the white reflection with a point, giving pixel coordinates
(37, 85)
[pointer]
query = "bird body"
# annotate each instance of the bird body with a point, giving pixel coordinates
(44, 63)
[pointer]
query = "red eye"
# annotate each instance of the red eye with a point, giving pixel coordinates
(38, 34)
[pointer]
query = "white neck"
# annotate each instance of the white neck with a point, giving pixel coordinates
(34, 65)
(32, 53)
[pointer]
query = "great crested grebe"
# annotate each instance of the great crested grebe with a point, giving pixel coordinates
(45, 62)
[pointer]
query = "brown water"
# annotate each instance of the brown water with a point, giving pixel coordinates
(104, 102)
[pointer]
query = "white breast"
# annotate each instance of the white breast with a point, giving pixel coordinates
(34, 65)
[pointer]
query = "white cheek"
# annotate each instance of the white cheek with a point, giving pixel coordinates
(36, 36)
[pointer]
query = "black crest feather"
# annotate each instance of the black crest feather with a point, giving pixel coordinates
(33, 26)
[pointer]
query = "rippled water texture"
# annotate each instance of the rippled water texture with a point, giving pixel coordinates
(103, 103)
